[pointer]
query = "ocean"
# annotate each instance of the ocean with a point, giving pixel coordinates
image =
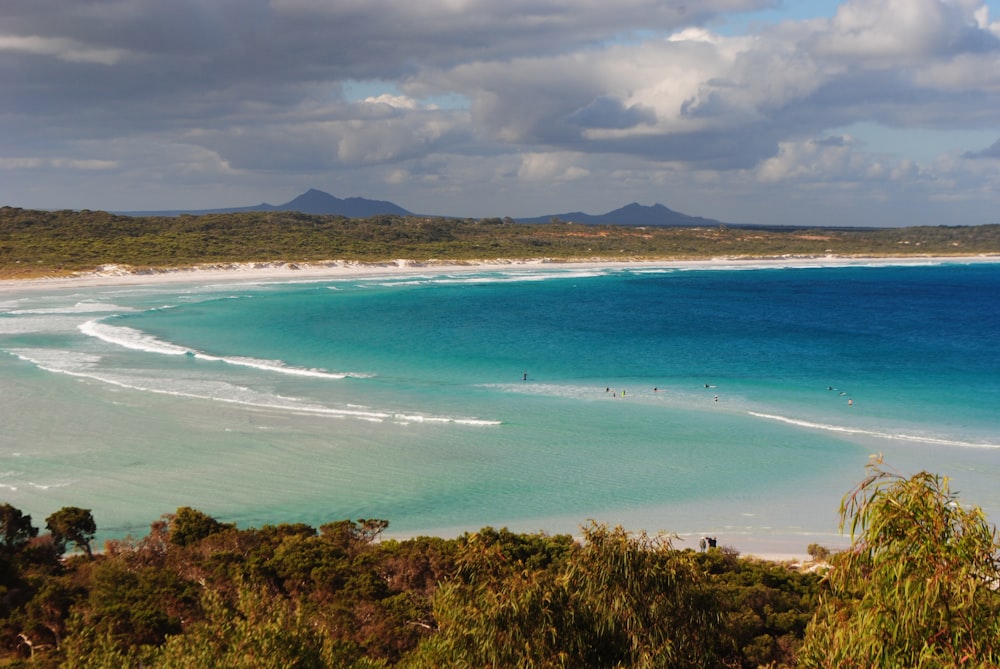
(740, 401)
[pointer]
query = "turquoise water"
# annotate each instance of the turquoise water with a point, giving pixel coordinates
(739, 402)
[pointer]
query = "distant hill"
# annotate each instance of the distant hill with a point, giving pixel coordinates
(311, 202)
(315, 201)
(631, 214)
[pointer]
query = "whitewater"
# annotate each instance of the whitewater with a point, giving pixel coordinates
(740, 400)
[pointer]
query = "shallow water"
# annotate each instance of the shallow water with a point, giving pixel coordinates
(742, 403)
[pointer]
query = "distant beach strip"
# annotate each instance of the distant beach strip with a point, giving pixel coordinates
(113, 274)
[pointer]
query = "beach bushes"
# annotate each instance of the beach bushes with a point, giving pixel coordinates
(918, 588)
(341, 597)
(613, 600)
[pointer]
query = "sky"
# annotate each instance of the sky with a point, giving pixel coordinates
(787, 112)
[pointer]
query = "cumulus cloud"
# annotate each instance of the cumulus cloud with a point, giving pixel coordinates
(894, 32)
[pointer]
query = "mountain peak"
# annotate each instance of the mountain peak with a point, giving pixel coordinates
(631, 214)
(315, 201)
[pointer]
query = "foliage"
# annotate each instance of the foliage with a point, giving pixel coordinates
(35, 243)
(818, 552)
(128, 607)
(189, 525)
(764, 607)
(918, 587)
(16, 529)
(259, 632)
(71, 524)
(615, 600)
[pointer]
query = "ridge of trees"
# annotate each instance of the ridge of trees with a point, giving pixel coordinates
(34, 243)
(917, 588)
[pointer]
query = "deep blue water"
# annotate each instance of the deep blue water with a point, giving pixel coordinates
(404, 397)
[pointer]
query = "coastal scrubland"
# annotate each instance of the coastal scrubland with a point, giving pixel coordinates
(52, 243)
(917, 588)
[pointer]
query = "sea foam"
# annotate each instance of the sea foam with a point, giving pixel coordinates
(937, 441)
(131, 338)
(83, 365)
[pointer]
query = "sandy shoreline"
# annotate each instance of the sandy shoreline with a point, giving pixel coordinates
(119, 275)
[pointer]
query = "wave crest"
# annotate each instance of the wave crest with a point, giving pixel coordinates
(138, 340)
(872, 433)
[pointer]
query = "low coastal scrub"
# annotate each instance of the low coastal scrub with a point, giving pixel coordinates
(37, 243)
(917, 588)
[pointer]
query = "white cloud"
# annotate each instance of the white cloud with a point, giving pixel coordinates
(551, 166)
(976, 72)
(898, 31)
(35, 163)
(395, 101)
(83, 164)
(65, 49)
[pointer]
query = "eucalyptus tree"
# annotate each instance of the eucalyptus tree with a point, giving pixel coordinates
(918, 586)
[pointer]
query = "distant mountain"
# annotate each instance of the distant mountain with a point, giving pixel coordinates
(631, 214)
(317, 202)
(311, 202)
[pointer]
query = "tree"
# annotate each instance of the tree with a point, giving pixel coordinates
(188, 526)
(16, 529)
(72, 524)
(917, 588)
(353, 536)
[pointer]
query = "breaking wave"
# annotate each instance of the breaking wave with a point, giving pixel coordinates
(138, 340)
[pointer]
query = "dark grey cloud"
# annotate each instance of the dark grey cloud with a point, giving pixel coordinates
(108, 66)
(605, 112)
(992, 151)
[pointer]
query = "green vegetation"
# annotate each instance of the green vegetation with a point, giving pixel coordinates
(34, 243)
(917, 588)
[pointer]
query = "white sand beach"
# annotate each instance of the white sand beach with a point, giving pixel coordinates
(123, 275)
